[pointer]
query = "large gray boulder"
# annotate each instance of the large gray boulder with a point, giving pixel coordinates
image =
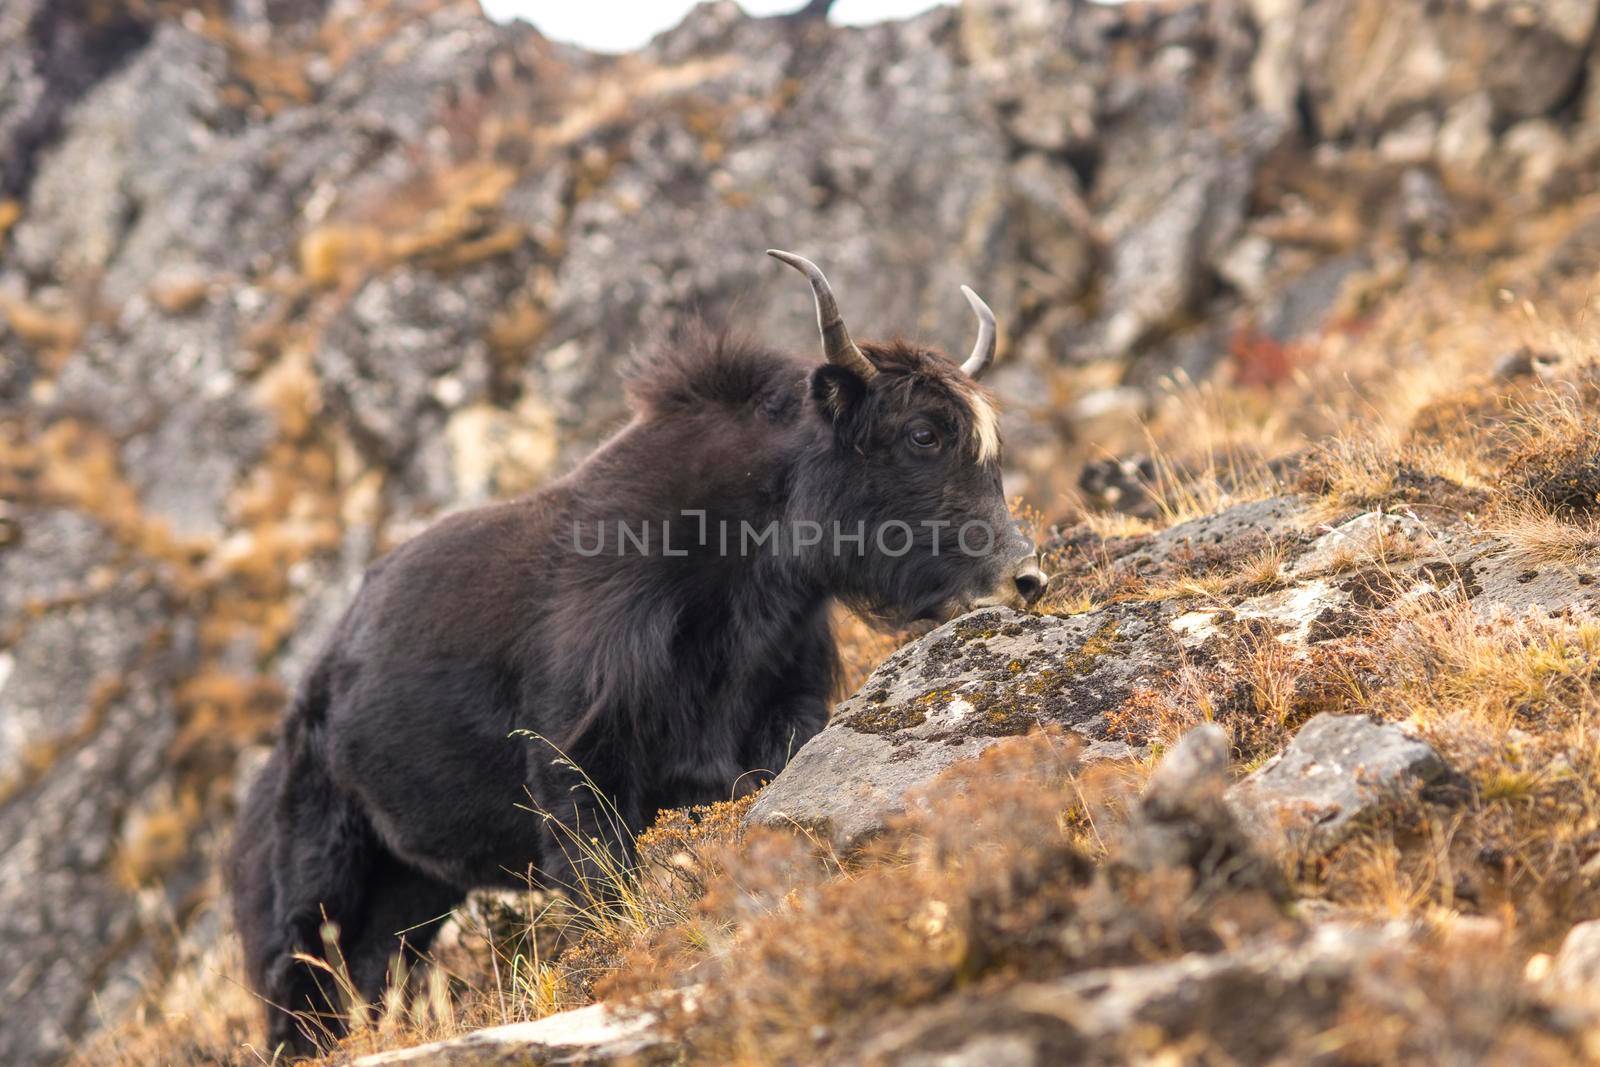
(1338, 771)
(992, 674)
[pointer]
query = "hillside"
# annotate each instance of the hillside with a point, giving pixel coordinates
(1299, 389)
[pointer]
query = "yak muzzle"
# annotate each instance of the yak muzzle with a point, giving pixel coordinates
(1029, 580)
(1021, 584)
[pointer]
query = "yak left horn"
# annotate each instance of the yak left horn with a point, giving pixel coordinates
(836, 344)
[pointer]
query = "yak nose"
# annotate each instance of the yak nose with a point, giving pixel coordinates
(1029, 579)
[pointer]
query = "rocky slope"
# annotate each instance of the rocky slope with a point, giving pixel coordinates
(282, 279)
(1337, 798)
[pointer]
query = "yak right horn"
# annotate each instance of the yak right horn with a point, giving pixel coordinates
(983, 348)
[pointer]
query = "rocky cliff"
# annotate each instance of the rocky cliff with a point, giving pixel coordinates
(282, 279)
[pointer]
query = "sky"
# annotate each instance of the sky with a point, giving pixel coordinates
(623, 25)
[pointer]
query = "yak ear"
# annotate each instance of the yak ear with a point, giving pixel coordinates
(837, 390)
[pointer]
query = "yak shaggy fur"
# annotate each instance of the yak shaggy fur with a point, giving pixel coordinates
(419, 759)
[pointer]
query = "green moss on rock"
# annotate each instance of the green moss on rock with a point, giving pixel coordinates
(887, 719)
(1104, 640)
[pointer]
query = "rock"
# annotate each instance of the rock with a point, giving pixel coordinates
(1167, 187)
(129, 143)
(985, 676)
(1300, 307)
(1274, 71)
(1338, 771)
(1501, 580)
(169, 389)
(1303, 980)
(497, 453)
(1274, 518)
(49, 58)
(89, 713)
(1172, 218)
(1390, 558)
(1517, 363)
(188, 421)
(1371, 535)
(1373, 561)
(1537, 148)
(1411, 142)
(409, 351)
(1296, 616)
(1426, 214)
(1366, 64)
(89, 632)
(158, 174)
(1041, 63)
(263, 16)
(1051, 225)
(1245, 265)
(1184, 823)
(1245, 1004)
(1120, 402)
(1577, 965)
(1196, 766)
(596, 1036)
(1123, 485)
(1466, 137)
(952, 693)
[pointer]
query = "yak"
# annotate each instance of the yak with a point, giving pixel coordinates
(526, 682)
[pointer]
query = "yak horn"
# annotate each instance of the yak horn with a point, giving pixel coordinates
(836, 344)
(983, 349)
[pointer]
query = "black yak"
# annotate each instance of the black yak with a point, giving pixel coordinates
(660, 616)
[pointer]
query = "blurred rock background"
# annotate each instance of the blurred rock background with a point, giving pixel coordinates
(281, 280)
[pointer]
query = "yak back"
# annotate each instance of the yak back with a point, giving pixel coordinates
(695, 369)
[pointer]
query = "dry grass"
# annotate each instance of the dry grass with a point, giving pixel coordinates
(1226, 581)
(10, 214)
(1510, 702)
(1003, 873)
(1544, 537)
(203, 1015)
(55, 331)
(1219, 466)
(1514, 705)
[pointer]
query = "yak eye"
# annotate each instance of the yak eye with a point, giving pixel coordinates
(923, 437)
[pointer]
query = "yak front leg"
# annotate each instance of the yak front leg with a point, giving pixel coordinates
(777, 738)
(797, 708)
(587, 826)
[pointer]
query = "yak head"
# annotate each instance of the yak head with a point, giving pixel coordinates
(907, 474)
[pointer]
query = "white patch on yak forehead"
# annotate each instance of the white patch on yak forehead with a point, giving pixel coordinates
(985, 424)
